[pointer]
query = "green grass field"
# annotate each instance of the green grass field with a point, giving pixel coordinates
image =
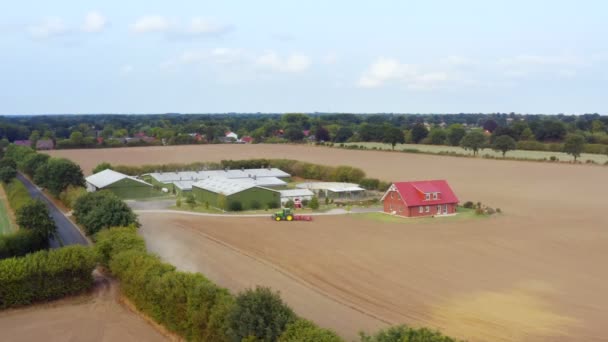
(463, 214)
(5, 222)
(521, 154)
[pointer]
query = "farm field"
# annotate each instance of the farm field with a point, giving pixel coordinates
(521, 154)
(534, 274)
(91, 317)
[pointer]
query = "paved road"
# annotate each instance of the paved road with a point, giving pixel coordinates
(67, 231)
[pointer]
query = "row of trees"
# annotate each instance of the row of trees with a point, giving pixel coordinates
(83, 131)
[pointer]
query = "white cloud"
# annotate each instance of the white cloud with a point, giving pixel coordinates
(94, 22)
(49, 27)
(201, 26)
(151, 23)
(293, 64)
(389, 70)
(197, 27)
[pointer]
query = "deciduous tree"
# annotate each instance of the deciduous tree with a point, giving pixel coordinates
(574, 145)
(474, 141)
(504, 143)
(393, 136)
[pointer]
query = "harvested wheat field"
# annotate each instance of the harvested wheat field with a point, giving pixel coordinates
(92, 317)
(535, 274)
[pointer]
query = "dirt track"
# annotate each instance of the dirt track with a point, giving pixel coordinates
(95, 317)
(536, 274)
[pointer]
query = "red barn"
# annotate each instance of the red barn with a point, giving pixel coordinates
(421, 198)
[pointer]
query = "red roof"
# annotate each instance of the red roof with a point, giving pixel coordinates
(247, 139)
(414, 193)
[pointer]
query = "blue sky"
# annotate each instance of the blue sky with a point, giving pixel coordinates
(301, 56)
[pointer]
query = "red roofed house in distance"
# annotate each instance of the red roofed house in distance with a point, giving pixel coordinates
(420, 198)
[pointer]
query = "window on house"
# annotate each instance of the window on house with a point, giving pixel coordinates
(434, 195)
(439, 209)
(427, 209)
(427, 196)
(420, 210)
(445, 208)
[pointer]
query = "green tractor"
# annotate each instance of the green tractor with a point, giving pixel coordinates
(286, 214)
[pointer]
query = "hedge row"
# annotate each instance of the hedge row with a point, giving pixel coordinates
(190, 305)
(20, 243)
(17, 194)
(46, 275)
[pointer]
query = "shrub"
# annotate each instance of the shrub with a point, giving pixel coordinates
(369, 183)
(235, 206)
(101, 167)
(191, 200)
(178, 202)
(479, 211)
(20, 243)
(71, 194)
(305, 203)
(304, 331)
(314, 203)
(17, 194)
(468, 205)
(102, 209)
(112, 241)
(553, 158)
(490, 211)
(403, 333)
(35, 216)
(255, 205)
(259, 313)
(7, 174)
(290, 204)
(45, 275)
(498, 211)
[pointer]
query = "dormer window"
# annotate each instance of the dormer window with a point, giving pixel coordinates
(427, 196)
(435, 195)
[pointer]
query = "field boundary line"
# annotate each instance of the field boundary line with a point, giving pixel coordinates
(297, 279)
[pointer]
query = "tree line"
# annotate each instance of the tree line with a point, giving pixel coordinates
(84, 131)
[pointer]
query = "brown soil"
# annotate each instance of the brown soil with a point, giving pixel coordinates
(93, 317)
(534, 274)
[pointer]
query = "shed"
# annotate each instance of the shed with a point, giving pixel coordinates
(122, 185)
(420, 198)
(334, 189)
(225, 193)
(295, 195)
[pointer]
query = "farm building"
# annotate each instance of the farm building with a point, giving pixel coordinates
(122, 185)
(295, 195)
(333, 190)
(185, 179)
(268, 182)
(225, 193)
(421, 198)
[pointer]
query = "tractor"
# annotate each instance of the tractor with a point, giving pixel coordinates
(286, 214)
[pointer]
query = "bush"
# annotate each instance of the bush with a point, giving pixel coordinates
(101, 167)
(314, 203)
(17, 194)
(255, 205)
(178, 202)
(498, 211)
(71, 194)
(112, 241)
(7, 174)
(102, 209)
(20, 243)
(553, 158)
(35, 216)
(403, 333)
(370, 183)
(290, 204)
(191, 200)
(235, 206)
(479, 211)
(305, 203)
(45, 275)
(304, 331)
(531, 145)
(468, 205)
(259, 313)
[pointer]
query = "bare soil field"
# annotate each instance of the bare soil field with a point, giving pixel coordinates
(535, 274)
(92, 317)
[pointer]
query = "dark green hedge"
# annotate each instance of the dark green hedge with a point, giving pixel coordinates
(17, 194)
(46, 275)
(20, 243)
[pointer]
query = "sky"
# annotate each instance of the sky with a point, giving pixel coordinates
(408, 56)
